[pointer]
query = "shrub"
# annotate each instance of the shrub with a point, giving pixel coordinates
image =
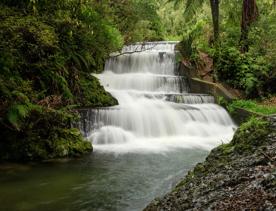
(247, 72)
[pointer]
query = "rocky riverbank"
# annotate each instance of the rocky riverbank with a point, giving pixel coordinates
(240, 175)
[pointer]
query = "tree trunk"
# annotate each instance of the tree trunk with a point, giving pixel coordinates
(215, 16)
(249, 15)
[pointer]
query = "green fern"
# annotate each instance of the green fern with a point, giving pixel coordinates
(17, 113)
(62, 83)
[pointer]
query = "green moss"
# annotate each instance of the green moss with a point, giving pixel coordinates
(251, 134)
(200, 169)
(69, 143)
(61, 144)
(188, 178)
(225, 149)
(51, 137)
(248, 137)
(93, 94)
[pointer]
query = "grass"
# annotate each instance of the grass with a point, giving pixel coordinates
(253, 106)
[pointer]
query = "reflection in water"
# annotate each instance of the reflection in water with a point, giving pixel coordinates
(98, 182)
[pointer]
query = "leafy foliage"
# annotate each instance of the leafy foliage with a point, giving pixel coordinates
(252, 71)
(48, 51)
(243, 71)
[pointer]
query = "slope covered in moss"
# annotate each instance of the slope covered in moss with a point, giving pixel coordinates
(235, 176)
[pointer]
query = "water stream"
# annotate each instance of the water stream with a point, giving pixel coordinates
(156, 112)
(142, 147)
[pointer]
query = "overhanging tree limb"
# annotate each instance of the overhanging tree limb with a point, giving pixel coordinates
(138, 49)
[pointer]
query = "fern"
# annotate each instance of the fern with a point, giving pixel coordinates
(80, 61)
(62, 83)
(17, 113)
(192, 6)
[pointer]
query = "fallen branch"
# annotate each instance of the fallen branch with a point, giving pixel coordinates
(135, 51)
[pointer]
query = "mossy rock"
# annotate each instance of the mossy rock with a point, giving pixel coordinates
(251, 135)
(61, 143)
(93, 93)
(69, 143)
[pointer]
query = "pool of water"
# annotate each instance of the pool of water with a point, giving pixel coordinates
(101, 181)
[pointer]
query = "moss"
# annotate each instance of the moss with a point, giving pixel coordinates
(59, 143)
(200, 169)
(69, 143)
(226, 149)
(189, 177)
(93, 94)
(251, 134)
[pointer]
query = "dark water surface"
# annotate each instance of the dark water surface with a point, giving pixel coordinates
(97, 182)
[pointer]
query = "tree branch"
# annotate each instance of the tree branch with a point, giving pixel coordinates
(135, 50)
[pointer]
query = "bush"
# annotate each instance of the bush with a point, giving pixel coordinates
(48, 51)
(46, 58)
(247, 72)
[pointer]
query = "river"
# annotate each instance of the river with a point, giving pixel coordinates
(142, 147)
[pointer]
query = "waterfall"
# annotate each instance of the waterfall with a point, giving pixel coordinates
(156, 111)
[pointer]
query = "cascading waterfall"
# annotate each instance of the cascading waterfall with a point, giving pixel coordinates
(143, 146)
(156, 112)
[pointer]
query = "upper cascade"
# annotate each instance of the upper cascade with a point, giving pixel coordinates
(151, 57)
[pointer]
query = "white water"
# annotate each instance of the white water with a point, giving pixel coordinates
(156, 112)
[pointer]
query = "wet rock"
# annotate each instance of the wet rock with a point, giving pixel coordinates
(238, 176)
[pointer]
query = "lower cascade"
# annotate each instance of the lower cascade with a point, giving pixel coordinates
(156, 112)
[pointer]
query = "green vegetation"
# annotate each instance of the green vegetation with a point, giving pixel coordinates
(48, 51)
(249, 135)
(253, 106)
(256, 106)
(243, 54)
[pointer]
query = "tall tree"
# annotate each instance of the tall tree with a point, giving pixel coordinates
(193, 5)
(249, 15)
(215, 17)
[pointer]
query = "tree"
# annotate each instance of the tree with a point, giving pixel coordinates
(215, 17)
(193, 5)
(250, 14)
